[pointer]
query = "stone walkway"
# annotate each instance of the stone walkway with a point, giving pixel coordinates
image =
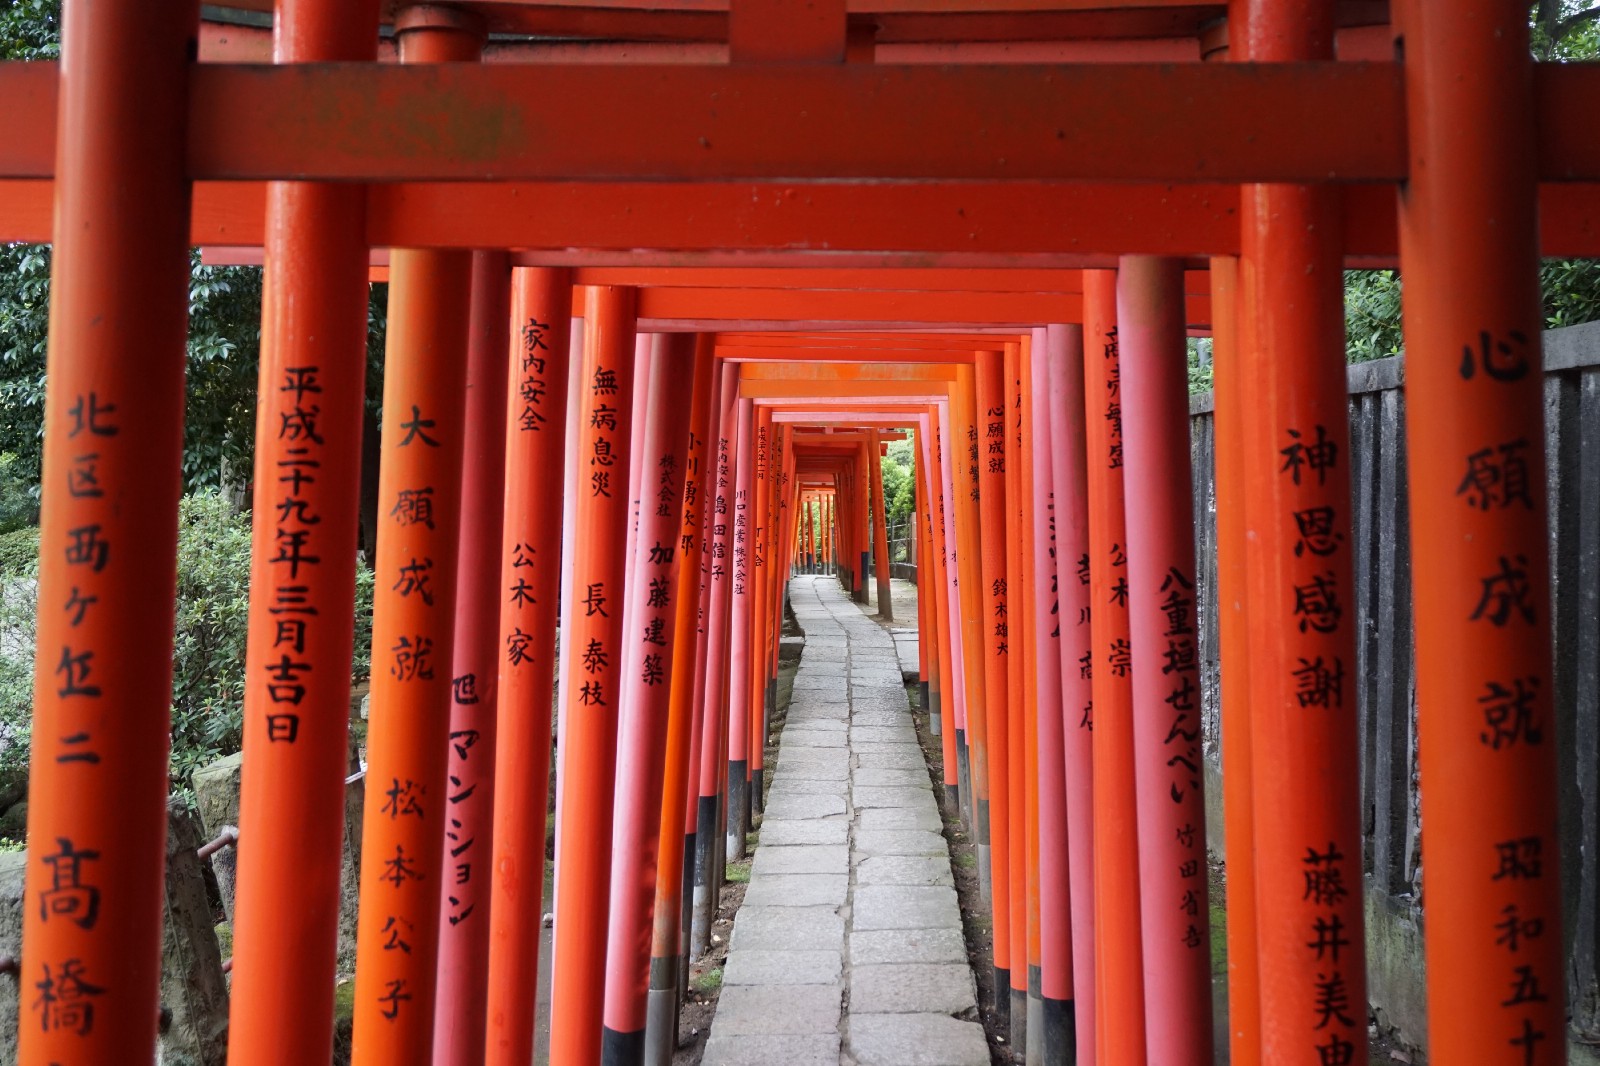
(848, 948)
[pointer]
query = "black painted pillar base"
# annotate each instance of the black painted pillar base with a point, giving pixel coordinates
(621, 1049)
(738, 808)
(691, 847)
(1034, 1033)
(964, 777)
(1060, 1032)
(980, 833)
(704, 900)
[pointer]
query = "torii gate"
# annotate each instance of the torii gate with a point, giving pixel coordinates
(872, 134)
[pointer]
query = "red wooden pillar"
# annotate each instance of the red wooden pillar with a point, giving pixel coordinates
(992, 418)
(763, 522)
(647, 655)
(715, 716)
(1166, 671)
(953, 650)
(1119, 972)
(699, 487)
(866, 467)
(413, 621)
(313, 363)
(1480, 577)
(592, 641)
(933, 584)
(830, 562)
(528, 597)
(464, 889)
(975, 609)
(942, 694)
(880, 525)
(739, 650)
(1017, 694)
(113, 450)
(1234, 408)
(1056, 1016)
(1068, 477)
(813, 534)
(1233, 392)
(675, 854)
(1050, 995)
(1304, 769)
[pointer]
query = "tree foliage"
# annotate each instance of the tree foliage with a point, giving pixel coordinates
(1563, 30)
(30, 29)
(899, 478)
(224, 329)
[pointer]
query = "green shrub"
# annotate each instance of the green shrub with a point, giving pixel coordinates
(19, 552)
(209, 635)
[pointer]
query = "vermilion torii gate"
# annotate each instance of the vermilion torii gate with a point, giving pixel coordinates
(641, 259)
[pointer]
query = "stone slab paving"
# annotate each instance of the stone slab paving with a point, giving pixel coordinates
(848, 948)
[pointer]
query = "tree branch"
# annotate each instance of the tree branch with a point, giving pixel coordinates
(1572, 22)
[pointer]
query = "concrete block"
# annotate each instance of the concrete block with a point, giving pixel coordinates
(785, 832)
(879, 734)
(788, 928)
(799, 734)
(813, 785)
(875, 777)
(780, 967)
(797, 890)
(778, 1009)
(809, 1049)
(915, 1040)
(907, 988)
(902, 797)
(818, 710)
(919, 817)
(905, 907)
(876, 947)
(804, 770)
(900, 842)
(882, 700)
(910, 758)
(885, 719)
(905, 870)
(802, 859)
(803, 806)
(814, 724)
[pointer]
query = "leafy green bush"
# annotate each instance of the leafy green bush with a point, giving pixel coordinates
(19, 552)
(1201, 367)
(17, 595)
(209, 636)
(1372, 314)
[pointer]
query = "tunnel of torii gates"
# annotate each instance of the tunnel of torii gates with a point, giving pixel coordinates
(662, 277)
